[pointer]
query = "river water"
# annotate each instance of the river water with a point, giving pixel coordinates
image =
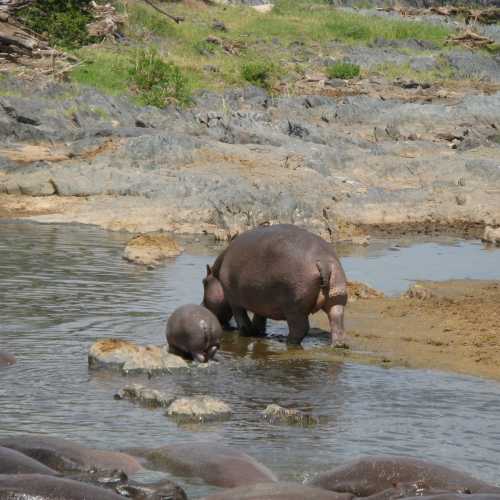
(64, 286)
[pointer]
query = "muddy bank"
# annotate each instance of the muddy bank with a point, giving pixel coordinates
(387, 157)
(450, 326)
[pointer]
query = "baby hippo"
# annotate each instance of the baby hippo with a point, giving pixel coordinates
(194, 331)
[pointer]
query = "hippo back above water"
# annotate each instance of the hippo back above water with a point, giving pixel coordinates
(280, 272)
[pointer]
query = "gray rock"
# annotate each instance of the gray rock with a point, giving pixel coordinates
(199, 409)
(145, 396)
(276, 414)
(127, 357)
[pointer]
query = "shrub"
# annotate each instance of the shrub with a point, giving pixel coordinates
(259, 73)
(158, 82)
(344, 70)
(63, 22)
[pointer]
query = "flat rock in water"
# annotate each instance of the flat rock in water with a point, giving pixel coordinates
(199, 409)
(125, 356)
(144, 395)
(151, 249)
(276, 414)
(492, 235)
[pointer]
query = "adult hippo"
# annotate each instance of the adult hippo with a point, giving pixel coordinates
(280, 272)
(42, 487)
(278, 491)
(14, 462)
(194, 331)
(216, 464)
(67, 456)
(7, 359)
(371, 475)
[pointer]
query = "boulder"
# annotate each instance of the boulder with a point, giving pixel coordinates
(151, 249)
(276, 414)
(128, 357)
(144, 395)
(199, 409)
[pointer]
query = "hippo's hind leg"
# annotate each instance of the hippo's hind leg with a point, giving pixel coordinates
(242, 320)
(298, 327)
(259, 325)
(334, 308)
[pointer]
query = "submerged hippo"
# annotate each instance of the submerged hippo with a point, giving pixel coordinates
(216, 464)
(194, 331)
(14, 462)
(280, 272)
(371, 475)
(42, 487)
(7, 359)
(66, 456)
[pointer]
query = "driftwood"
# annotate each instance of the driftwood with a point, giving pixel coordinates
(106, 20)
(177, 19)
(470, 40)
(489, 15)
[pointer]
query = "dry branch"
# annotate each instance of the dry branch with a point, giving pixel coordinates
(177, 19)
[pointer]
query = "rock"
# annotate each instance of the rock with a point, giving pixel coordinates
(125, 356)
(7, 359)
(145, 396)
(363, 240)
(263, 8)
(199, 409)
(357, 290)
(150, 249)
(276, 414)
(213, 462)
(491, 235)
(419, 292)
(67, 456)
(278, 491)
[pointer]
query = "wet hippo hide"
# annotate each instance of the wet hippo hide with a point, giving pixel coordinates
(216, 464)
(43, 487)
(458, 496)
(370, 475)
(278, 491)
(7, 359)
(14, 462)
(67, 456)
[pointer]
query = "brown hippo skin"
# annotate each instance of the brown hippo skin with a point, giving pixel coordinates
(371, 475)
(14, 462)
(280, 272)
(7, 359)
(278, 491)
(65, 456)
(216, 464)
(194, 331)
(42, 487)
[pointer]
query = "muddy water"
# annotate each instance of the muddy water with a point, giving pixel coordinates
(62, 287)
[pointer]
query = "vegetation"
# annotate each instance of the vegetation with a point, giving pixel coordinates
(64, 22)
(344, 70)
(259, 73)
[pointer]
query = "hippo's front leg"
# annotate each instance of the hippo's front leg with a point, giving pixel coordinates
(242, 320)
(335, 312)
(298, 327)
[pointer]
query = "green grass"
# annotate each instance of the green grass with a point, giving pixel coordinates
(344, 70)
(393, 71)
(259, 72)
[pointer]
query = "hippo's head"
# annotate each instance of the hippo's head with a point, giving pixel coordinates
(214, 299)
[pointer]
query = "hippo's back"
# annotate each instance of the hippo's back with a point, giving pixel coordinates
(269, 268)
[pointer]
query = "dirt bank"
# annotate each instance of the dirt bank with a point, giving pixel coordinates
(451, 326)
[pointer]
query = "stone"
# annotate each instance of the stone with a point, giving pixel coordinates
(199, 409)
(151, 249)
(144, 395)
(491, 235)
(419, 292)
(276, 414)
(128, 357)
(357, 290)
(7, 359)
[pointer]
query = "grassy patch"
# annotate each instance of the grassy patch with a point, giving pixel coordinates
(392, 71)
(259, 72)
(344, 70)
(64, 22)
(158, 82)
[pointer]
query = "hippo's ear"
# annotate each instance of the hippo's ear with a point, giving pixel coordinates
(209, 270)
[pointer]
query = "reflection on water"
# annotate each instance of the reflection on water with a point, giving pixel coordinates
(63, 287)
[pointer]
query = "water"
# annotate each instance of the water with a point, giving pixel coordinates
(63, 287)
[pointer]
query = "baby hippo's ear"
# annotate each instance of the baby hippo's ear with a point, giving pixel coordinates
(209, 270)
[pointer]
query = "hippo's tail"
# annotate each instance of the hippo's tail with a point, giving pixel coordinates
(332, 278)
